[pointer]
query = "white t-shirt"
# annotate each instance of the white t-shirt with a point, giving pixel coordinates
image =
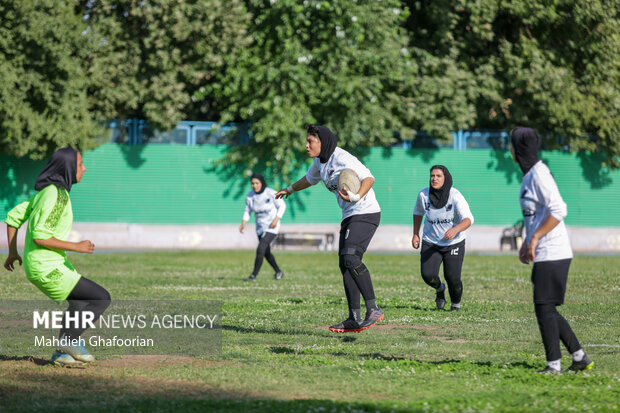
(540, 198)
(266, 208)
(438, 221)
(329, 172)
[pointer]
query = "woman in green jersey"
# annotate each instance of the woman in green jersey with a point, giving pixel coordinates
(49, 215)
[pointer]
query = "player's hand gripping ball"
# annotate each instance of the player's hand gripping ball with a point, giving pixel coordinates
(349, 181)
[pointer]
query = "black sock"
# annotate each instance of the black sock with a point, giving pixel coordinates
(355, 314)
(371, 305)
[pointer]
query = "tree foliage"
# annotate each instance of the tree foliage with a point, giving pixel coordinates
(150, 57)
(366, 68)
(552, 65)
(43, 100)
(341, 63)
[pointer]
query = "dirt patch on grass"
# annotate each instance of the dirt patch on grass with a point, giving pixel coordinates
(390, 327)
(145, 362)
(122, 377)
(150, 362)
(433, 330)
(422, 327)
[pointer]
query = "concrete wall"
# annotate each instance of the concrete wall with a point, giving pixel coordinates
(388, 237)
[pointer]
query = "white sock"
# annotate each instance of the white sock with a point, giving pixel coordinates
(455, 305)
(555, 364)
(579, 354)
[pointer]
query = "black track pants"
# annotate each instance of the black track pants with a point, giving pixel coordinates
(553, 328)
(264, 251)
(356, 232)
(451, 256)
(549, 284)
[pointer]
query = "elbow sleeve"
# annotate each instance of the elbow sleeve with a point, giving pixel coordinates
(558, 211)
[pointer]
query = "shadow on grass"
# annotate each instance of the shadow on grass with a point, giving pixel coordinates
(52, 389)
(35, 360)
(201, 404)
(348, 339)
(389, 358)
(380, 361)
(274, 330)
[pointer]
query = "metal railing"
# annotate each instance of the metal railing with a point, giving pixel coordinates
(137, 132)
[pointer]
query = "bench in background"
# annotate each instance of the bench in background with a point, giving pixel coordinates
(323, 241)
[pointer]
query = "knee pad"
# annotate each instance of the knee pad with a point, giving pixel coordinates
(429, 277)
(351, 260)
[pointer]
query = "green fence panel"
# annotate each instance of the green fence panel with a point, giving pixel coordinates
(176, 184)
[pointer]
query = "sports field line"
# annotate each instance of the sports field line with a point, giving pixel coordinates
(602, 345)
(197, 288)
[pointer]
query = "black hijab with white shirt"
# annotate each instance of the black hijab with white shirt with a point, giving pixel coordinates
(329, 142)
(526, 143)
(262, 182)
(439, 197)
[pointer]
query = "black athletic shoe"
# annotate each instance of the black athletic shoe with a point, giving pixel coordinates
(372, 316)
(584, 364)
(252, 277)
(549, 370)
(278, 275)
(347, 326)
(454, 308)
(440, 298)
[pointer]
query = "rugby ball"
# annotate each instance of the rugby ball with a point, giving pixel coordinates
(349, 181)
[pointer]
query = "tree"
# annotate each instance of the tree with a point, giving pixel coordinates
(151, 57)
(43, 101)
(552, 65)
(339, 63)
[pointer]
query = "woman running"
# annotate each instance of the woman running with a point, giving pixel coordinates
(50, 216)
(447, 218)
(360, 218)
(268, 210)
(548, 247)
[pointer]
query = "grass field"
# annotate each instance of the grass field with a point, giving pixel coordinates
(279, 356)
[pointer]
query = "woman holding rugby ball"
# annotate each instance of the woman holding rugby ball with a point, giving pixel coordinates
(360, 218)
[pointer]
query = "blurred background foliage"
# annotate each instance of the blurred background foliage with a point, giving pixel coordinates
(370, 70)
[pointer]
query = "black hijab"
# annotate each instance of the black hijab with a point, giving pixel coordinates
(439, 197)
(262, 182)
(61, 170)
(329, 141)
(526, 143)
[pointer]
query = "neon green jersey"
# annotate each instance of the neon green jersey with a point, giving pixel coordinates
(49, 214)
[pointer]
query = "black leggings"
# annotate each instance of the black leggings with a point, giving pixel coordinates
(549, 280)
(87, 295)
(553, 328)
(452, 256)
(264, 251)
(356, 232)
